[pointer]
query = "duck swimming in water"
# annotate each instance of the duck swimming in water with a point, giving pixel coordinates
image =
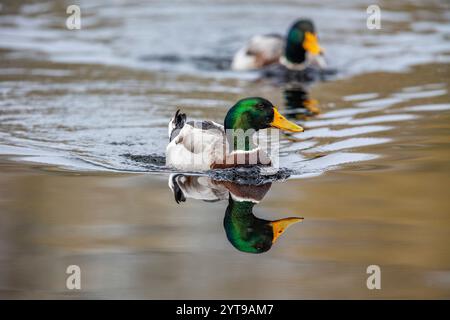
(297, 51)
(205, 145)
(244, 230)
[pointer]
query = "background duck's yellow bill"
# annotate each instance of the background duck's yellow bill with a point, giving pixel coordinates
(279, 226)
(282, 123)
(311, 44)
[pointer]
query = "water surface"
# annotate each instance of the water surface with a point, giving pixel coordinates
(83, 118)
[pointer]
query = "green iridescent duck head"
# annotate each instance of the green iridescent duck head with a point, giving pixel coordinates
(256, 113)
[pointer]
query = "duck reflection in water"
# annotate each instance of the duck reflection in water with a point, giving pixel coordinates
(244, 230)
(299, 105)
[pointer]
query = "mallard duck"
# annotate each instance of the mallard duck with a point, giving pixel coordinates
(205, 145)
(244, 230)
(299, 50)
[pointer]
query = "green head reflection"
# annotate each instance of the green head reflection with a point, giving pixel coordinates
(248, 233)
(245, 231)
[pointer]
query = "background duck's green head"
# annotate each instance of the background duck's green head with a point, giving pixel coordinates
(301, 39)
(257, 113)
(248, 233)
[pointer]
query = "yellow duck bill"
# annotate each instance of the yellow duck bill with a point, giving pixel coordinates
(280, 122)
(311, 44)
(279, 226)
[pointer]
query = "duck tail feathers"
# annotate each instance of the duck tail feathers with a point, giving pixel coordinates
(180, 119)
(176, 124)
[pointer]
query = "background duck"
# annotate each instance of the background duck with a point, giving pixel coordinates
(297, 51)
(205, 145)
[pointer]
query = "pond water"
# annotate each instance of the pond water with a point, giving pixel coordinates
(83, 130)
